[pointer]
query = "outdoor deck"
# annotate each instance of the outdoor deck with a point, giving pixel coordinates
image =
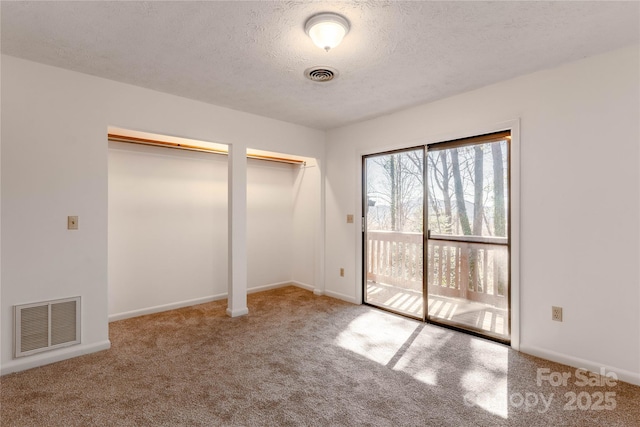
(467, 279)
(464, 312)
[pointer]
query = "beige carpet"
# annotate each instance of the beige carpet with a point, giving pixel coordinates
(298, 359)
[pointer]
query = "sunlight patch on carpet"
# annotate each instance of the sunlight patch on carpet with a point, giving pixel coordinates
(376, 335)
(485, 382)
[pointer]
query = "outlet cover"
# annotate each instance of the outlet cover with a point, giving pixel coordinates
(556, 314)
(72, 222)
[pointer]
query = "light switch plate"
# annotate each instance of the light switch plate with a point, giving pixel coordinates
(350, 219)
(72, 222)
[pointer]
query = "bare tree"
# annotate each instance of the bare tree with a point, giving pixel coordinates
(390, 167)
(499, 220)
(440, 174)
(478, 190)
(459, 193)
(445, 188)
(400, 185)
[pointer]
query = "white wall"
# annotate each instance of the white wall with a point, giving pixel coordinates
(167, 228)
(306, 219)
(269, 223)
(54, 164)
(579, 200)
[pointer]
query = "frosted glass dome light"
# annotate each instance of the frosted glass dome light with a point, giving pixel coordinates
(327, 29)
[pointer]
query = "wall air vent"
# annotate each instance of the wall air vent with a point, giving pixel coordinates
(320, 74)
(46, 325)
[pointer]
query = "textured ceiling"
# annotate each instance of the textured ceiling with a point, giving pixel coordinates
(251, 56)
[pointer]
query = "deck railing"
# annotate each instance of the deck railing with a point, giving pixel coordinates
(476, 271)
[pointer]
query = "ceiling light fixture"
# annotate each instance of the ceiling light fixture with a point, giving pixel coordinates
(327, 29)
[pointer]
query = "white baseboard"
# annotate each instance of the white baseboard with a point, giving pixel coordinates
(268, 287)
(302, 285)
(202, 300)
(237, 312)
(316, 291)
(343, 297)
(622, 374)
(165, 307)
(53, 356)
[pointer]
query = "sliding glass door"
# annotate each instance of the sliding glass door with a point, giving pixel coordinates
(393, 206)
(468, 235)
(463, 187)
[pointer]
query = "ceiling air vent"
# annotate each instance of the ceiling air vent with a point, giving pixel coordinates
(321, 74)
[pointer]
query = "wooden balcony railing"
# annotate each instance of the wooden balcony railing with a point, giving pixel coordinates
(476, 271)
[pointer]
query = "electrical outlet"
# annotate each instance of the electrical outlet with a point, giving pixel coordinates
(342, 272)
(556, 314)
(350, 219)
(72, 222)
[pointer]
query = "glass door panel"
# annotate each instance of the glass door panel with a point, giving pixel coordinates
(393, 253)
(468, 237)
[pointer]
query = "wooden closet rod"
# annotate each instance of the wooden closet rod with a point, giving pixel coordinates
(189, 147)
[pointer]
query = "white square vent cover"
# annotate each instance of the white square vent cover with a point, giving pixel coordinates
(46, 325)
